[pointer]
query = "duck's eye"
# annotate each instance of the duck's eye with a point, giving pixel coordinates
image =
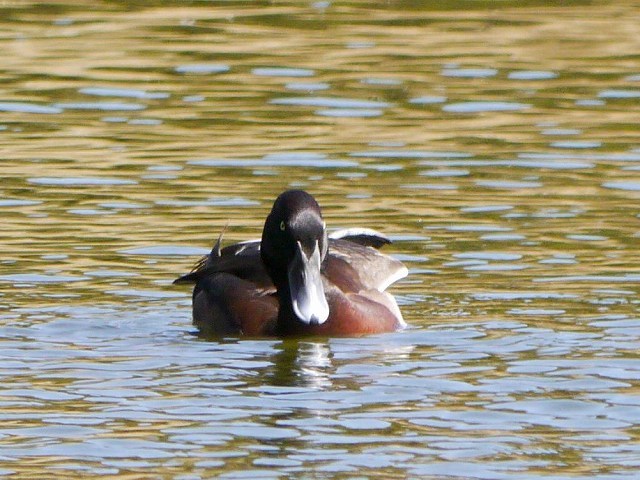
(283, 226)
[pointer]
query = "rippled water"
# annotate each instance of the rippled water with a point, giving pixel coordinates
(497, 144)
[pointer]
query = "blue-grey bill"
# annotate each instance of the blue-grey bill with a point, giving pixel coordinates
(305, 283)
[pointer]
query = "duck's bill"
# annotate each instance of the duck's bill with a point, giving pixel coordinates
(305, 283)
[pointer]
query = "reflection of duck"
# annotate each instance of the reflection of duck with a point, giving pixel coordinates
(300, 363)
(297, 279)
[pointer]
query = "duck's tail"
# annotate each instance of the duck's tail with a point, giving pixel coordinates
(204, 263)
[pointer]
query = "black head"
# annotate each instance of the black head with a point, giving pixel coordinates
(294, 245)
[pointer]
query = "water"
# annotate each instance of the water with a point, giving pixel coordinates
(498, 147)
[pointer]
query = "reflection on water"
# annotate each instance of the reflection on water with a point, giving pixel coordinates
(497, 147)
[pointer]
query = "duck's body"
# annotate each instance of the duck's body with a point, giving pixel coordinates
(297, 280)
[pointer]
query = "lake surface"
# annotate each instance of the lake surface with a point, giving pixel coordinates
(496, 142)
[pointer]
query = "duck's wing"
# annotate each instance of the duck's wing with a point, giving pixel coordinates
(366, 237)
(353, 262)
(354, 267)
(240, 259)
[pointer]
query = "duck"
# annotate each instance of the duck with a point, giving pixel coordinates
(297, 280)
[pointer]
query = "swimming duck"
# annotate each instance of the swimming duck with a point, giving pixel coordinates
(298, 279)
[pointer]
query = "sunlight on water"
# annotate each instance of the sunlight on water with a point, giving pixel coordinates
(496, 147)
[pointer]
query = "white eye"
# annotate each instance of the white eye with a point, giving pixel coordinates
(283, 227)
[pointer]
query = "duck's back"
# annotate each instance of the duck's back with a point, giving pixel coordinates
(355, 267)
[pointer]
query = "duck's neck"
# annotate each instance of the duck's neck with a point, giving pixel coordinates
(287, 322)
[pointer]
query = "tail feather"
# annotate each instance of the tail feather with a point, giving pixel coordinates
(203, 263)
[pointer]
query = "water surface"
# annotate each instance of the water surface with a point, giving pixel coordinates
(498, 147)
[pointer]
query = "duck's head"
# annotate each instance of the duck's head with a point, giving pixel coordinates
(294, 245)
